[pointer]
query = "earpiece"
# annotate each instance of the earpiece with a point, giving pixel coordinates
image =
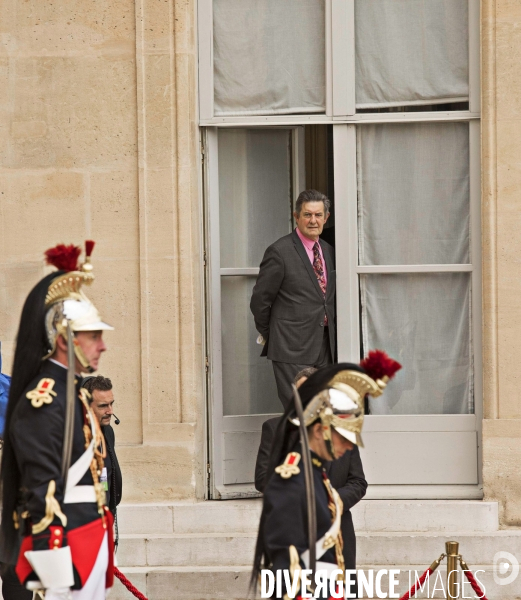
(85, 379)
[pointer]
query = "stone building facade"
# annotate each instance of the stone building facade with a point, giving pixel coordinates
(99, 138)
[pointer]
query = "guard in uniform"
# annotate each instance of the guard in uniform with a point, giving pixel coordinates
(56, 532)
(333, 413)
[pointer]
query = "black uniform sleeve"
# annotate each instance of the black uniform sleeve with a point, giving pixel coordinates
(37, 435)
(355, 486)
(116, 483)
(285, 519)
(269, 280)
(263, 455)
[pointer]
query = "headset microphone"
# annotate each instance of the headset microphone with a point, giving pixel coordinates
(116, 420)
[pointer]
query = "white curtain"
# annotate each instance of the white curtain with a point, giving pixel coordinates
(254, 211)
(422, 320)
(413, 193)
(413, 208)
(254, 193)
(269, 56)
(411, 52)
(248, 381)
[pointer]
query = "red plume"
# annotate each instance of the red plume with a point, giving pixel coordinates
(89, 247)
(64, 258)
(377, 364)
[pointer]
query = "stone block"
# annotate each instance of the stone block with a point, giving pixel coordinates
(422, 549)
(217, 517)
(425, 515)
(131, 551)
(52, 28)
(501, 458)
(114, 214)
(200, 584)
(40, 210)
(188, 550)
(138, 579)
(145, 519)
(157, 473)
(85, 107)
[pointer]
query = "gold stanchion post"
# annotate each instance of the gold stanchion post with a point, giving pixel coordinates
(451, 548)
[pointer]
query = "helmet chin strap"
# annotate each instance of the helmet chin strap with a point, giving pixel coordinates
(84, 362)
(329, 441)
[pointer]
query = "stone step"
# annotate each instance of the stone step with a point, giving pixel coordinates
(178, 583)
(231, 550)
(202, 583)
(242, 516)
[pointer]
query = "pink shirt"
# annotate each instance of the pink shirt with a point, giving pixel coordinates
(308, 245)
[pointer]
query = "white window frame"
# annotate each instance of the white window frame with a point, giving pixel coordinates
(348, 285)
(341, 112)
(340, 74)
(220, 423)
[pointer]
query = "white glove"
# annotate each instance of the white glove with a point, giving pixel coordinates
(260, 340)
(53, 567)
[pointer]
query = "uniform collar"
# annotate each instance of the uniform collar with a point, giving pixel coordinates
(58, 372)
(317, 462)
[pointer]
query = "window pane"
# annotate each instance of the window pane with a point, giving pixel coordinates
(248, 382)
(424, 322)
(254, 193)
(413, 193)
(269, 56)
(411, 52)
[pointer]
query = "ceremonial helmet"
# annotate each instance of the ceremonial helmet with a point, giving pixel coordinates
(66, 302)
(335, 395)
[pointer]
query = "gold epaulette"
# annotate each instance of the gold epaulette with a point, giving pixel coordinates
(289, 467)
(42, 393)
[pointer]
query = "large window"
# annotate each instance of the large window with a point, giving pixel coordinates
(385, 97)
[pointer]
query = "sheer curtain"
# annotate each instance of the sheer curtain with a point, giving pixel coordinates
(413, 208)
(411, 52)
(269, 56)
(254, 192)
(254, 211)
(413, 193)
(422, 320)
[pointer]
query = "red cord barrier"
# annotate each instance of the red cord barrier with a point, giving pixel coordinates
(475, 585)
(419, 582)
(131, 588)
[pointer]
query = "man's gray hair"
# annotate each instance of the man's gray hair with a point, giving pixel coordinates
(312, 196)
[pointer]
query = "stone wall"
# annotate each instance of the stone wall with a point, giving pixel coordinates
(501, 164)
(98, 139)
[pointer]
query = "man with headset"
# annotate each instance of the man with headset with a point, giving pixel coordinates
(101, 401)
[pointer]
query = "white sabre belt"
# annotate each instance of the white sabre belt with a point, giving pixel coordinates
(75, 493)
(333, 531)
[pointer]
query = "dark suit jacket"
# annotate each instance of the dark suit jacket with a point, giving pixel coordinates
(346, 475)
(288, 305)
(115, 479)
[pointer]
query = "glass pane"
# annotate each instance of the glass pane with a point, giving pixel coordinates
(424, 322)
(254, 193)
(248, 382)
(411, 52)
(413, 193)
(269, 56)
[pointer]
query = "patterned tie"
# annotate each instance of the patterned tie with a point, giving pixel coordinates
(318, 267)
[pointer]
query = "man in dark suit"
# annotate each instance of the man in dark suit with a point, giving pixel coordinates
(293, 301)
(102, 402)
(346, 475)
